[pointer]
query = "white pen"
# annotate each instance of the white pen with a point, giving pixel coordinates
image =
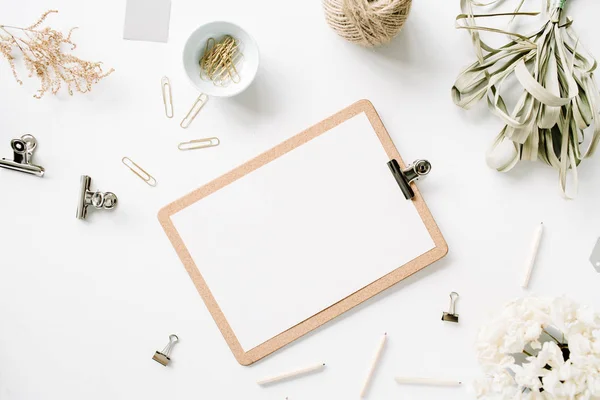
(292, 374)
(373, 366)
(535, 246)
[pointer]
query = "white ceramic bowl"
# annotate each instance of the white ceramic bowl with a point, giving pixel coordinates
(194, 50)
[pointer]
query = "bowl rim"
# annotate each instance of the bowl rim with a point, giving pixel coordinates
(242, 88)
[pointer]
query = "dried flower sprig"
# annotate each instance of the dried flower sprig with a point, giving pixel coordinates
(44, 58)
(559, 96)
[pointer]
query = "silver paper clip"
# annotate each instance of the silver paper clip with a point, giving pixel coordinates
(199, 144)
(164, 356)
(99, 200)
(167, 95)
(451, 315)
(198, 104)
(139, 171)
(22, 154)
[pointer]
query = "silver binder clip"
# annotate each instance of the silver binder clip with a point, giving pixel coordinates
(413, 172)
(22, 154)
(451, 315)
(163, 357)
(100, 200)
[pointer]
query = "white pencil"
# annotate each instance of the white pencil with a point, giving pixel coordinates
(427, 381)
(535, 246)
(292, 374)
(373, 365)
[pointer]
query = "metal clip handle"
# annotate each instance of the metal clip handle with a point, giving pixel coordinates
(410, 174)
(22, 155)
(97, 199)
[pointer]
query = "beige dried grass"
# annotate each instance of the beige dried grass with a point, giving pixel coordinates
(41, 51)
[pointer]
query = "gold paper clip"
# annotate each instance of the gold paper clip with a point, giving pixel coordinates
(165, 84)
(198, 104)
(139, 171)
(199, 144)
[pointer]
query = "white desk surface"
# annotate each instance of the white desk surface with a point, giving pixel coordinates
(84, 305)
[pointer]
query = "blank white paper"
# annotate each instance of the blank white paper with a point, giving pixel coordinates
(147, 20)
(302, 232)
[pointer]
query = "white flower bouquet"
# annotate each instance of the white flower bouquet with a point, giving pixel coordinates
(540, 349)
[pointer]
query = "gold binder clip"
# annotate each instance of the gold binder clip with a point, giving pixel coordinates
(163, 356)
(198, 104)
(167, 95)
(199, 144)
(139, 171)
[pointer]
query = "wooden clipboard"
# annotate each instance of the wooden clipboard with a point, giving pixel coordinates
(344, 304)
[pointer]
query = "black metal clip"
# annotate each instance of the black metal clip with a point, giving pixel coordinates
(412, 173)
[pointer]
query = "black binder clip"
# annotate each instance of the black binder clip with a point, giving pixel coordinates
(411, 173)
(22, 153)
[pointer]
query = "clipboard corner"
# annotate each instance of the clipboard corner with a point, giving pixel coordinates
(243, 359)
(365, 104)
(440, 250)
(444, 249)
(164, 216)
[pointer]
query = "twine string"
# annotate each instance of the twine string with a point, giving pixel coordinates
(367, 23)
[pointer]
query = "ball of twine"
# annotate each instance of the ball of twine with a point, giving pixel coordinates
(368, 23)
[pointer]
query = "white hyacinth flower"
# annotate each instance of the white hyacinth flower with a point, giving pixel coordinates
(540, 348)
